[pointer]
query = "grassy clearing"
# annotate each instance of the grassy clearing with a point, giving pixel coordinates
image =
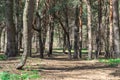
(24, 76)
(111, 62)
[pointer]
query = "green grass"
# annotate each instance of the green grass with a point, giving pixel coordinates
(23, 76)
(2, 57)
(111, 62)
(60, 50)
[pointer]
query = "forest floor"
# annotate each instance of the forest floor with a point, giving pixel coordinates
(60, 68)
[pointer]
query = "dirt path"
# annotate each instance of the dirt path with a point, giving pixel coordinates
(60, 68)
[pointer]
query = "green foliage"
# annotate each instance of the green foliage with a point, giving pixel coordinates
(74, 3)
(0, 67)
(2, 9)
(3, 57)
(4, 76)
(23, 76)
(56, 8)
(111, 62)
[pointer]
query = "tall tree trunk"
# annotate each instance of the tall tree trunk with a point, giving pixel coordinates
(17, 21)
(111, 30)
(67, 29)
(106, 24)
(11, 50)
(2, 26)
(89, 29)
(3, 40)
(51, 36)
(41, 45)
(51, 29)
(80, 29)
(98, 36)
(116, 28)
(25, 36)
(76, 34)
(38, 25)
(31, 8)
(38, 28)
(41, 29)
(64, 42)
(40, 39)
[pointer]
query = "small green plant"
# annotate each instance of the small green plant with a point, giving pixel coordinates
(23, 76)
(0, 67)
(111, 62)
(3, 57)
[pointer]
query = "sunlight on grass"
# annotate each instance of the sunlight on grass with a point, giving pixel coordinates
(111, 62)
(60, 50)
(23, 76)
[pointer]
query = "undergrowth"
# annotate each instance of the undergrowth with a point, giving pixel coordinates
(23, 76)
(3, 57)
(111, 62)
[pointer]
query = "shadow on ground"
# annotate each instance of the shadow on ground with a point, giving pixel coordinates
(75, 68)
(116, 72)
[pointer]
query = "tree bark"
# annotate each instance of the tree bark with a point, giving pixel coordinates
(51, 36)
(51, 30)
(31, 8)
(2, 26)
(67, 29)
(116, 28)
(25, 36)
(76, 34)
(12, 49)
(98, 32)
(64, 42)
(89, 29)
(111, 30)
(80, 29)
(3, 40)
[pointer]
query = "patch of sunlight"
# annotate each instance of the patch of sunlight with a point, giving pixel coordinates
(111, 62)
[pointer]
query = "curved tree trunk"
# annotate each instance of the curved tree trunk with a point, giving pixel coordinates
(25, 37)
(26, 33)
